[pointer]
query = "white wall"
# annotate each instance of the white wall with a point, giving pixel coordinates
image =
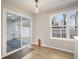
(12, 7)
(42, 31)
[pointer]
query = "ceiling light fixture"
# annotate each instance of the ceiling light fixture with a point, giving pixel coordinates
(36, 10)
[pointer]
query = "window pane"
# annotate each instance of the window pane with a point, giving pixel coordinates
(59, 32)
(73, 25)
(59, 25)
(26, 31)
(58, 20)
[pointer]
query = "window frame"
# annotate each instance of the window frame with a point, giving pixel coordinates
(67, 27)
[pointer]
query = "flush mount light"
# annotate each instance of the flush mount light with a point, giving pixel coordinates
(36, 6)
(36, 10)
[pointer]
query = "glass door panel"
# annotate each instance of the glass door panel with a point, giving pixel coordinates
(13, 32)
(26, 31)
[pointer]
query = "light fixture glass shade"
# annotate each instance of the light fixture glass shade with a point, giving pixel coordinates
(36, 10)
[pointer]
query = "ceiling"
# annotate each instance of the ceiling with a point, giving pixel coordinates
(42, 4)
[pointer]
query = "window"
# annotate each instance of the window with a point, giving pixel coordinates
(58, 25)
(73, 25)
(64, 25)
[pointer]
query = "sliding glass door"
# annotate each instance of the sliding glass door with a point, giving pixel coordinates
(16, 32)
(13, 32)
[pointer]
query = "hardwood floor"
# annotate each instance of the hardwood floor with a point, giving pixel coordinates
(19, 54)
(48, 53)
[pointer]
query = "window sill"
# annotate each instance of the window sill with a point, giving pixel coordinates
(55, 38)
(76, 37)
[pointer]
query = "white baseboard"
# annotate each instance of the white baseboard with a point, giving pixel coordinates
(37, 44)
(56, 48)
(59, 48)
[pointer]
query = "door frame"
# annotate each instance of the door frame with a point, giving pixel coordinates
(4, 36)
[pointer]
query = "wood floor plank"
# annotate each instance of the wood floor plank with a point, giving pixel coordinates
(33, 56)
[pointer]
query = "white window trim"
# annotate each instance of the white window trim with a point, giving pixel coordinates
(67, 28)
